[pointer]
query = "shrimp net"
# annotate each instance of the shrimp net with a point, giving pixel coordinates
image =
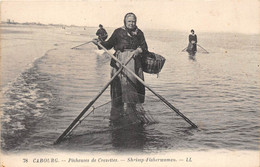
(128, 109)
(200, 49)
(106, 117)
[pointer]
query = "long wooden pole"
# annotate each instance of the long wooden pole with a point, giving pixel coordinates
(89, 105)
(156, 94)
(81, 44)
(203, 48)
(184, 49)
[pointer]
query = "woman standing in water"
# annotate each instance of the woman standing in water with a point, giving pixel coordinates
(192, 47)
(126, 91)
(101, 33)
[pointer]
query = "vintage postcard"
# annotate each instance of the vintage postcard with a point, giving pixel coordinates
(137, 83)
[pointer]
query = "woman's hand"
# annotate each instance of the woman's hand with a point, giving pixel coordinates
(136, 52)
(95, 41)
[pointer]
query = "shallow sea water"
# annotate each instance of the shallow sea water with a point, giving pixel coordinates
(45, 85)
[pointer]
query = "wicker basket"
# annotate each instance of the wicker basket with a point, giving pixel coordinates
(152, 63)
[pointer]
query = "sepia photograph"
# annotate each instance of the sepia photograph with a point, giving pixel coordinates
(138, 83)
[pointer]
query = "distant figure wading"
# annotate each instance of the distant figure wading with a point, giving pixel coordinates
(192, 47)
(101, 33)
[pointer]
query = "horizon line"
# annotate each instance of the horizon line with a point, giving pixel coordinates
(145, 28)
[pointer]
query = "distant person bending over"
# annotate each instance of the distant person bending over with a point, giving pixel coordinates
(193, 41)
(125, 90)
(101, 33)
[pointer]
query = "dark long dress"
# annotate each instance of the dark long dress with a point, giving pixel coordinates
(125, 88)
(192, 43)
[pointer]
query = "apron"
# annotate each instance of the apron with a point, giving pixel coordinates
(125, 88)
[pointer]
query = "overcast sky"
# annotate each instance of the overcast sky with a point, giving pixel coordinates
(201, 15)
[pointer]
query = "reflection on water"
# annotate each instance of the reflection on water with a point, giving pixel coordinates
(192, 56)
(130, 138)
